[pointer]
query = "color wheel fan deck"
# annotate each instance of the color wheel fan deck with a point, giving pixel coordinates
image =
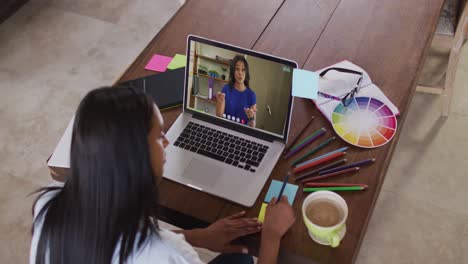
(366, 122)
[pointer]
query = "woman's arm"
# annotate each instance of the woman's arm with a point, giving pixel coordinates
(220, 104)
(269, 249)
(193, 236)
(279, 217)
(219, 235)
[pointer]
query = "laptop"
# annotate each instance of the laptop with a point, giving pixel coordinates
(228, 145)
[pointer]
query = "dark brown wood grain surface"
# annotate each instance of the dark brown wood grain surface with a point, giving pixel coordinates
(389, 39)
(236, 22)
(9, 7)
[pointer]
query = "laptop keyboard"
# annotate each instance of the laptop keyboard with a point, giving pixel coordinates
(218, 145)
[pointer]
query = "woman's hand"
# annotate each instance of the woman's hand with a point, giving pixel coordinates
(219, 235)
(249, 112)
(220, 104)
(221, 97)
(279, 217)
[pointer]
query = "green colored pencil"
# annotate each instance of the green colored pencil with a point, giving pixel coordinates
(307, 138)
(351, 188)
(317, 148)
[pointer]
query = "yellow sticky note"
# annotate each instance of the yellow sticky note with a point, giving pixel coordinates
(261, 215)
(177, 62)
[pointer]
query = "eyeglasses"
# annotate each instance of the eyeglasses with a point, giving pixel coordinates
(348, 98)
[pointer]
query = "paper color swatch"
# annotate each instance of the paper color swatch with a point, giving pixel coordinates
(177, 62)
(305, 84)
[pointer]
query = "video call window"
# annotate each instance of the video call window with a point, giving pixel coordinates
(244, 89)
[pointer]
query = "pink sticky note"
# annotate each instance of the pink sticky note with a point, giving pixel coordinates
(158, 63)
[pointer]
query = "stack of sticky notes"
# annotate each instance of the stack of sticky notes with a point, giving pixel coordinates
(160, 63)
(274, 190)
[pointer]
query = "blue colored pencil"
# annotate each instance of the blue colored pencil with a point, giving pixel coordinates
(323, 156)
(318, 134)
(344, 167)
(285, 181)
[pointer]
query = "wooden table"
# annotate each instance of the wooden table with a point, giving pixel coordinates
(389, 39)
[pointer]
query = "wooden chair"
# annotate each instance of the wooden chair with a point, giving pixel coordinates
(450, 35)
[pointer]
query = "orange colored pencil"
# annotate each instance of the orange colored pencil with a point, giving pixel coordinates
(332, 184)
(318, 162)
(332, 174)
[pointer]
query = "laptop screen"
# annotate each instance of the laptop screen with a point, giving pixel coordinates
(241, 86)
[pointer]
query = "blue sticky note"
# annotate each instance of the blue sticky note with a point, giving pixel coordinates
(275, 187)
(305, 84)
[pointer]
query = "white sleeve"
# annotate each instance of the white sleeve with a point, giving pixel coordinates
(168, 248)
(38, 224)
(46, 197)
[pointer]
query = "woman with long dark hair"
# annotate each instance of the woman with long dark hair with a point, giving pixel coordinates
(237, 101)
(107, 209)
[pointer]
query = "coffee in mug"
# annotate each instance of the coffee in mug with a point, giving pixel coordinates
(325, 215)
(324, 212)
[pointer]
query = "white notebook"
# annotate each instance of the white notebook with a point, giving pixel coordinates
(339, 84)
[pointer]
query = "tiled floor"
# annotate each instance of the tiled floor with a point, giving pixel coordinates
(53, 51)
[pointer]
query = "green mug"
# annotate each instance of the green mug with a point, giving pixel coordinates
(326, 235)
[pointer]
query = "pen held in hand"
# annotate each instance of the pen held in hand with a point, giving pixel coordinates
(285, 181)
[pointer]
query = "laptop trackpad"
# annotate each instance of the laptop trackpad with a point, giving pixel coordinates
(203, 173)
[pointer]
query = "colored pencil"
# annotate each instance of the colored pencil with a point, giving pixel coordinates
(330, 184)
(350, 188)
(324, 176)
(318, 162)
(356, 164)
(322, 156)
(285, 181)
(312, 173)
(311, 139)
(299, 135)
(307, 138)
(317, 148)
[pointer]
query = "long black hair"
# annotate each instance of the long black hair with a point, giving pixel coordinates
(111, 194)
(232, 69)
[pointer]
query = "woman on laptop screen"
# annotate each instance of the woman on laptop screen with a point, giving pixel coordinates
(237, 101)
(107, 209)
